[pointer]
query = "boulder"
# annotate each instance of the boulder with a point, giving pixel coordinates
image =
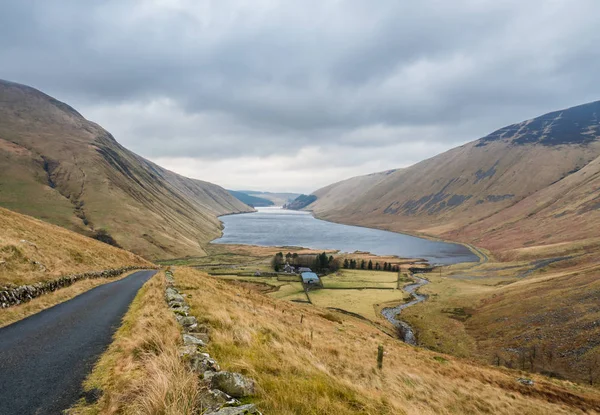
(249, 409)
(213, 400)
(202, 336)
(202, 363)
(189, 322)
(231, 383)
(191, 340)
(188, 351)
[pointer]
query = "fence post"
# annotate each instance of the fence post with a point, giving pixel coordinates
(380, 357)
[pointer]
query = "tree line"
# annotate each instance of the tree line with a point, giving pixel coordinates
(319, 263)
(354, 264)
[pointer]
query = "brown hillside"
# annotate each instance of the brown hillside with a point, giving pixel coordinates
(59, 167)
(538, 172)
(32, 251)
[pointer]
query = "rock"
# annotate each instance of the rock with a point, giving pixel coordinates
(190, 322)
(202, 336)
(524, 381)
(249, 409)
(188, 351)
(231, 383)
(202, 363)
(214, 399)
(175, 299)
(191, 340)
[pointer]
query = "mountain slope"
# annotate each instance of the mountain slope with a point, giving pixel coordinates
(32, 251)
(487, 190)
(251, 200)
(57, 166)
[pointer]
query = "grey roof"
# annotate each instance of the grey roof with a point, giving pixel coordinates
(310, 277)
(304, 269)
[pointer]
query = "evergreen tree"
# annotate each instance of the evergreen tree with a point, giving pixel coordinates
(370, 266)
(362, 264)
(346, 263)
(385, 266)
(377, 267)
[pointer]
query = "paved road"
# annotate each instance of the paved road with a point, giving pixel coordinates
(45, 358)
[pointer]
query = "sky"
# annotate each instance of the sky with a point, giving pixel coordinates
(295, 95)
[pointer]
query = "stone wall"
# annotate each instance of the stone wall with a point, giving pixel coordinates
(221, 389)
(15, 295)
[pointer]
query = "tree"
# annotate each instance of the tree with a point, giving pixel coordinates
(277, 261)
(370, 266)
(288, 257)
(295, 258)
(385, 266)
(377, 267)
(362, 264)
(346, 263)
(353, 264)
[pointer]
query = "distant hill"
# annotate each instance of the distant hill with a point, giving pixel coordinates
(528, 184)
(59, 167)
(279, 199)
(250, 200)
(300, 202)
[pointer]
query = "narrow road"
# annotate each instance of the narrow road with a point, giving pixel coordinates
(45, 358)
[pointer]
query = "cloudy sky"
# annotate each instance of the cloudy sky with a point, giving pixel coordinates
(294, 95)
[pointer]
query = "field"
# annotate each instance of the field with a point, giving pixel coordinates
(523, 314)
(326, 363)
(362, 292)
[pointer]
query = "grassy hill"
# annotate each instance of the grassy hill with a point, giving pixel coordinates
(32, 251)
(251, 200)
(529, 184)
(328, 361)
(59, 167)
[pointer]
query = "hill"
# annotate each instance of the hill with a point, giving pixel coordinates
(57, 166)
(279, 199)
(328, 360)
(251, 200)
(527, 184)
(32, 251)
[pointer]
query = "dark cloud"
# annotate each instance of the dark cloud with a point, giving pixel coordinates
(226, 79)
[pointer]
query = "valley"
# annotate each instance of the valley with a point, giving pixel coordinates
(512, 245)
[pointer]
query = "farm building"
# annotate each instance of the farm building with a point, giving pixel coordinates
(304, 269)
(310, 278)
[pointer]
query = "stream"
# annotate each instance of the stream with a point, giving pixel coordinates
(391, 313)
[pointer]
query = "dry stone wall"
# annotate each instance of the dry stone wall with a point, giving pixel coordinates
(220, 389)
(15, 295)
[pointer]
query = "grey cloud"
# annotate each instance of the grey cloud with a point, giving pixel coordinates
(226, 78)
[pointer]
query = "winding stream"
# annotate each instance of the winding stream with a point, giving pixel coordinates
(391, 313)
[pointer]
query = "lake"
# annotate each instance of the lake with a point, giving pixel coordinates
(274, 226)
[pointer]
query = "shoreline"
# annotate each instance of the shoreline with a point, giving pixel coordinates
(483, 257)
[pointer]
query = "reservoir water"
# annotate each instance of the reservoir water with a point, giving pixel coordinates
(278, 227)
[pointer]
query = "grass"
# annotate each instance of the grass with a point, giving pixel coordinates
(141, 372)
(327, 365)
(365, 302)
(13, 314)
(546, 322)
(32, 251)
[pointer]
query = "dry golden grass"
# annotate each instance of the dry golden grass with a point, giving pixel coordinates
(141, 372)
(13, 314)
(32, 251)
(546, 322)
(326, 365)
